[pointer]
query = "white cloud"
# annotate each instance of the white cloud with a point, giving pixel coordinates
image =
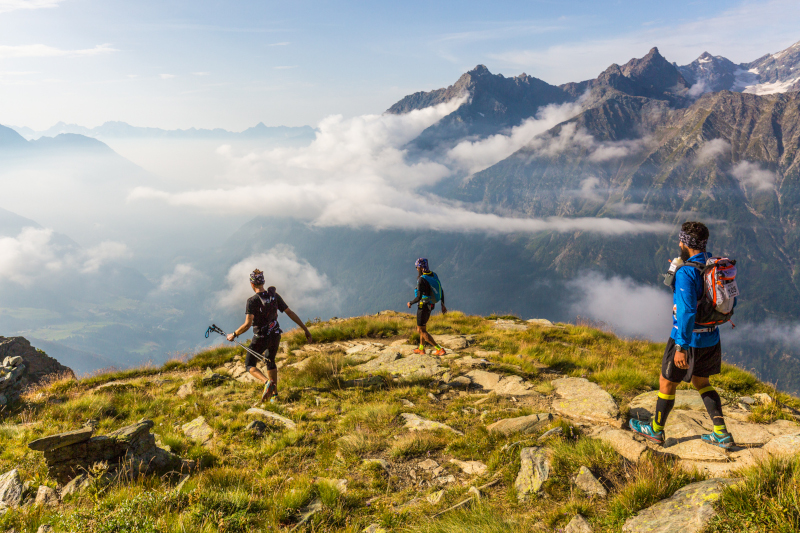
(296, 280)
(355, 173)
(32, 253)
(713, 149)
(572, 138)
(166, 76)
(589, 189)
(182, 278)
(698, 89)
(42, 50)
(14, 5)
(630, 308)
(752, 174)
(475, 156)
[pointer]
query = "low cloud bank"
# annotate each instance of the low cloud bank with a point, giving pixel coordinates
(356, 174)
(297, 281)
(33, 254)
(749, 173)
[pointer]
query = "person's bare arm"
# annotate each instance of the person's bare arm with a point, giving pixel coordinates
(248, 321)
(291, 314)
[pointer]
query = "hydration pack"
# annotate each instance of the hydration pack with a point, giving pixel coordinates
(715, 307)
(436, 287)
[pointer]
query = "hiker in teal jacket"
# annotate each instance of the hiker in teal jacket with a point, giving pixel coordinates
(694, 351)
(428, 292)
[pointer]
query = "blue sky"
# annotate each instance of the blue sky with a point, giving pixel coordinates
(232, 64)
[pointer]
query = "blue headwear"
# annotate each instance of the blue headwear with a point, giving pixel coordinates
(422, 263)
(257, 277)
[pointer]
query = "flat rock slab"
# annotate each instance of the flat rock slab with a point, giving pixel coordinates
(198, 430)
(520, 424)
(622, 441)
(11, 489)
(533, 472)
(509, 325)
(471, 468)
(288, 424)
(502, 385)
(54, 442)
(455, 342)
(783, 427)
(472, 362)
(643, 406)
(417, 423)
(749, 434)
(417, 365)
(744, 458)
(696, 450)
(580, 399)
(686, 511)
(589, 484)
(783, 446)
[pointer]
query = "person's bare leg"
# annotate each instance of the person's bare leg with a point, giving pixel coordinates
(256, 373)
(668, 387)
(273, 377)
(425, 336)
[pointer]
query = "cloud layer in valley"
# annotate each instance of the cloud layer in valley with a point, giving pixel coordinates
(356, 173)
(749, 173)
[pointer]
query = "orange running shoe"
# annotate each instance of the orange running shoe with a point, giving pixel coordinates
(419, 351)
(440, 352)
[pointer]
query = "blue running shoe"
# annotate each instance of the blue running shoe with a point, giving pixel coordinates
(270, 391)
(647, 431)
(724, 440)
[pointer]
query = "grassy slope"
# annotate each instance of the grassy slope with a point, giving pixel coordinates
(258, 484)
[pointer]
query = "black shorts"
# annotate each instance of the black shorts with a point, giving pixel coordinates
(703, 362)
(267, 346)
(423, 314)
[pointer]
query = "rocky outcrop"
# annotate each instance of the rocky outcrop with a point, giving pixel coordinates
(23, 366)
(582, 400)
(534, 470)
(10, 489)
(130, 451)
(500, 384)
(417, 423)
(520, 424)
(687, 511)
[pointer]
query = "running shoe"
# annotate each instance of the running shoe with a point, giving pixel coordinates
(270, 391)
(723, 441)
(440, 352)
(647, 431)
(419, 351)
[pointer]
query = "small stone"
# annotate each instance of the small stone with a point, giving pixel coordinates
(288, 424)
(471, 468)
(46, 497)
(432, 397)
(428, 464)
(256, 426)
(502, 385)
(763, 398)
(54, 442)
(687, 511)
(77, 485)
(461, 383)
(551, 432)
(578, 525)
(521, 424)
(186, 389)
(747, 400)
(417, 423)
(435, 497)
(406, 403)
(446, 480)
(45, 528)
(589, 484)
(476, 493)
(11, 489)
(534, 471)
(198, 430)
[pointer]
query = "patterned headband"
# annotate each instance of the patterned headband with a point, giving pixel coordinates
(257, 277)
(693, 242)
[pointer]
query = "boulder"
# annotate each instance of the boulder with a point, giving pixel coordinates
(269, 415)
(471, 468)
(198, 430)
(539, 322)
(417, 423)
(76, 485)
(10, 489)
(533, 472)
(54, 442)
(578, 525)
(686, 511)
(582, 400)
(622, 441)
(46, 497)
(589, 484)
(643, 406)
(520, 424)
(455, 342)
(472, 362)
(696, 450)
(186, 389)
(783, 446)
(502, 385)
(415, 365)
(428, 464)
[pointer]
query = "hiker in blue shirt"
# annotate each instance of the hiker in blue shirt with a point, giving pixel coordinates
(693, 352)
(428, 292)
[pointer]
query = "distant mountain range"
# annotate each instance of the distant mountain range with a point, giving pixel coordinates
(123, 130)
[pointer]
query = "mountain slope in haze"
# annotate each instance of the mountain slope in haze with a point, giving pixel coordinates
(123, 130)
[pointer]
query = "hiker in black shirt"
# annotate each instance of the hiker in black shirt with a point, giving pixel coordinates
(426, 297)
(262, 313)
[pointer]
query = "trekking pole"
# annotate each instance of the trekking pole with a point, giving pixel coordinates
(213, 328)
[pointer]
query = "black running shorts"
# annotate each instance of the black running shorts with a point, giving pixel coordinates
(423, 314)
(268, 346)
(703, 362)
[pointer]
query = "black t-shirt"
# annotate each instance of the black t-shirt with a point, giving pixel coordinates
(264, 315)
